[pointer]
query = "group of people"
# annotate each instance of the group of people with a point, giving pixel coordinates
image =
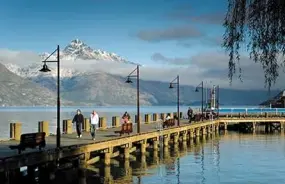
(78, 120)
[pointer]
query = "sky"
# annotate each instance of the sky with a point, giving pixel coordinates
(184, 35)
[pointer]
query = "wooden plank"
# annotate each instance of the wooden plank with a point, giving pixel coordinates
(93, 160)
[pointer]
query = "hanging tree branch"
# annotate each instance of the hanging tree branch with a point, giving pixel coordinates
(260, 24)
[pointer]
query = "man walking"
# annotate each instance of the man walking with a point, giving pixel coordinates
(94, 120)
(190, 114)
(78, 120)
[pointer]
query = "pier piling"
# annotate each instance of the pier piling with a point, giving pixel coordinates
(15, 131)
(44, 127)
(115, 121)
(102, 123)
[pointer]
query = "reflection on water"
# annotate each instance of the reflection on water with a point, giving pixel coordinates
(230, 158)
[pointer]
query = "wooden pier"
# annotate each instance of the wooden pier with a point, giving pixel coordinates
(109, 145)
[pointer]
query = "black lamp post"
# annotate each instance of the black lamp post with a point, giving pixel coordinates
(138, 94)
(46, 69)
(218, 101)
(171, 86)
(202, 100)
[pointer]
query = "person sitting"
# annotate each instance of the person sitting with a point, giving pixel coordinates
(126, 117)
(168, 117)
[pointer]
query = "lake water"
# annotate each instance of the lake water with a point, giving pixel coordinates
(232, 158)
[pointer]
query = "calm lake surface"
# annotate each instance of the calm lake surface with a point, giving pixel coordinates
(232, 158)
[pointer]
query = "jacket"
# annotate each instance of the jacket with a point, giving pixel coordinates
(78, 118)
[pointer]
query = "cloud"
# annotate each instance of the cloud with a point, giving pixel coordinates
(206, 66)
(210, 18)
(179, 61)
(213, 66)
(189, 16)
(206, 40)
(21, 58)
(175, 33)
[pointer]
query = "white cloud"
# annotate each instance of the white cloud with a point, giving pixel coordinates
(209, 66)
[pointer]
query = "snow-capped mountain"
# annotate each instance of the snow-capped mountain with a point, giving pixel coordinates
(78, 50)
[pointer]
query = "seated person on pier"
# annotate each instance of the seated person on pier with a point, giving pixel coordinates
(126, 127)
(168, 117)
(168, 121)
(126, 117)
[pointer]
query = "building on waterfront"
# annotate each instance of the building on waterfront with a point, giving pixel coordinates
(277, 101)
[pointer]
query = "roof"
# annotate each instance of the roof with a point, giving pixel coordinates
(274, 99)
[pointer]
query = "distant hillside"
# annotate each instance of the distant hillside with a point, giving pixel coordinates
(17, 91)
(274, 99)
(107, 89)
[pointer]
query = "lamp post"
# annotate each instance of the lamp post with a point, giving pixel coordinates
(202, 98)
(46, 69)
(138, 93)
(218, 101)
(171, 86)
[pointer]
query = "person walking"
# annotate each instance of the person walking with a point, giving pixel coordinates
(190, 114)
(78, 120)
(94, 121)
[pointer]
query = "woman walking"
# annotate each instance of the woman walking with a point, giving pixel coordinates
(94, 120)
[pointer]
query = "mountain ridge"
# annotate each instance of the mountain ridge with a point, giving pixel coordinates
(78, 50)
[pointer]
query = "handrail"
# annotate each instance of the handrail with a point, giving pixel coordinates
(251, 110)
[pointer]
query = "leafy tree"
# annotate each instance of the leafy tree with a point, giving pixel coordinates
(260, 24)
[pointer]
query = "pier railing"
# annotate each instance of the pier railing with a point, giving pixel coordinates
(68, 128)
(251, 110)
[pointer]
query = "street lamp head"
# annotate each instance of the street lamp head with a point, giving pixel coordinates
(45, 68)
(129, 80)
(196, 90)
(171, 86)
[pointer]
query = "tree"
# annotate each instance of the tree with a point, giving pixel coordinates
(260, 25)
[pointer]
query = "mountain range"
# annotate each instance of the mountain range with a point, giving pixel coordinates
(26, 86)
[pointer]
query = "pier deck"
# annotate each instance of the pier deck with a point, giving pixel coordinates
(110, 145)
(71, 139)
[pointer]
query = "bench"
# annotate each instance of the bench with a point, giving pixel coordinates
(168, 123)
(30, 140)
(126, 128)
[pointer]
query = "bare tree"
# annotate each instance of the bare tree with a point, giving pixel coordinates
(260, 25)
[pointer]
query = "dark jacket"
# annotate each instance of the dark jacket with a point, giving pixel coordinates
(78, 118)
(190, 112)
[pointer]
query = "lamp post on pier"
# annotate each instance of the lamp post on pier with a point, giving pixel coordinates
(46, 69)
(218, 101)
(201, 85)
(137, 76)
(171, 86)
